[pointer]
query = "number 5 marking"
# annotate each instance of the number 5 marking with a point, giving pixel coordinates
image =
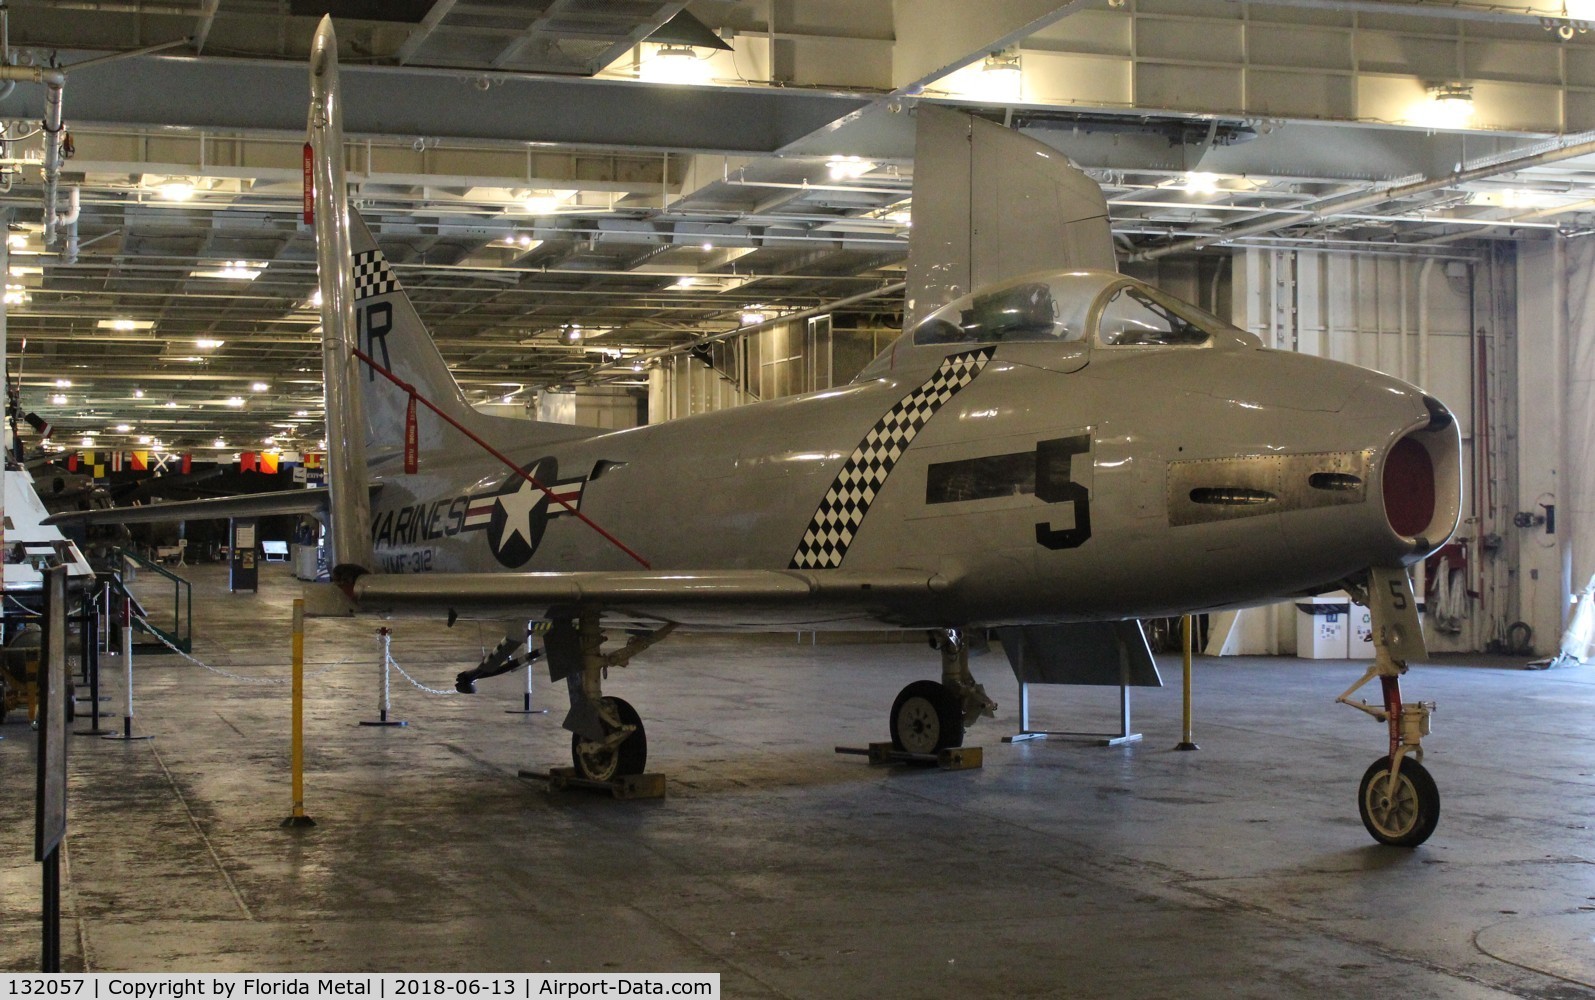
(1054, 485)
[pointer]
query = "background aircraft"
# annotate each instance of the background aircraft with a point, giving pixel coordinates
(1049, 446)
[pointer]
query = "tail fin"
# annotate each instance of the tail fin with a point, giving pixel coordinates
(392, 334)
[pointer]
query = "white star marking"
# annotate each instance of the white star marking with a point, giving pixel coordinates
(517, 509)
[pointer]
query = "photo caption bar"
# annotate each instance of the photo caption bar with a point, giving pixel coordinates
(380, 986)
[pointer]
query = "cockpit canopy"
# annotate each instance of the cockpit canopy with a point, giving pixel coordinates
(1107, 309)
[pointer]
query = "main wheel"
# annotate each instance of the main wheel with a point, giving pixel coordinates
(1406, 817)
(599, 763)
(926, 717)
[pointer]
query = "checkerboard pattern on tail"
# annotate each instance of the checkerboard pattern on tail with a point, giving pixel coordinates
(372, 276)
(837, 520)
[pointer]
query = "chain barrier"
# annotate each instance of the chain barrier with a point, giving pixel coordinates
(227, 674)
(415, 683)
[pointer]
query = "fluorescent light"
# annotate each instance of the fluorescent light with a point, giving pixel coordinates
(685, 282)
(752, 316)
(124, 324)
(206, 343)
(143, 439)
(15, 295)
(235, 401)
(17, 240)
(123, 428)
(259, 387)
(138, 393)
(220, 443)
(63, 383)
(170, 405)
(18, 270)
(88, 442)
(1199, 182)
(301, 413)
(58, 399)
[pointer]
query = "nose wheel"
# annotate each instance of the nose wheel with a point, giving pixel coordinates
(1401, 809)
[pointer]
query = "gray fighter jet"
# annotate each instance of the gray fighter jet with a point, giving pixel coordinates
(1050, 445)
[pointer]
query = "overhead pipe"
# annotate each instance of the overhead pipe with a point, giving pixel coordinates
(1351, 203)
(69, 221)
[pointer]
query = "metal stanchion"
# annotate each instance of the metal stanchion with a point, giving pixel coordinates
(91, 663)
(298, 818)
(1187, 743)
(127, 674)
(386, 635)
(526, 706)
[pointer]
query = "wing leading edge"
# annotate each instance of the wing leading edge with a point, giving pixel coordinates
(306, 501)
(685, 596)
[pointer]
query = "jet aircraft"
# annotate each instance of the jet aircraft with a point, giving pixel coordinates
(1049, 446)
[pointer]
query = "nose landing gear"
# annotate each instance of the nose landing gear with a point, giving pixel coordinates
(1397, 799)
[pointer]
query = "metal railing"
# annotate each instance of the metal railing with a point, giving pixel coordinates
(181, 634)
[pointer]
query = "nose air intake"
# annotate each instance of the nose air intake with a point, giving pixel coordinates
(1421, 481)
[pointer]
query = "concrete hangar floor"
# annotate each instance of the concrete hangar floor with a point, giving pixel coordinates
(1057, 869)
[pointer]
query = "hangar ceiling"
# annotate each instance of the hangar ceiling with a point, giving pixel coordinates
(570, 187)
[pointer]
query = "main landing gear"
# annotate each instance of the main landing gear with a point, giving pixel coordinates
(1398, 800)
(930, 716)
(607, 738)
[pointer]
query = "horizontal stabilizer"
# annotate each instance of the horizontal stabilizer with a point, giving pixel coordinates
(1104, 653)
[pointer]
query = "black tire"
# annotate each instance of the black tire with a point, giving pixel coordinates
(630, 757)
(927, 718)
(1407, 818)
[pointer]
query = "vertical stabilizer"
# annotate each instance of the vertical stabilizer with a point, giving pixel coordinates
(350, 501)
(1005, 205)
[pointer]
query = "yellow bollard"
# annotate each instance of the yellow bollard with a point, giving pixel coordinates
(1185, 636)
(299, 819)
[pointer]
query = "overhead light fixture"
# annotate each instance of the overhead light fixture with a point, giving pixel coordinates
(123, 428)
(124, 325)
(751, 316)
(63, 383)
(572, 334)
(206, 343)
(1450, 105)
(1199, 182)
(847, 168)
(21, 271)
(143, 439)
(1002, 74)
(301, 413)
(221, 443)
(87, 442)
(684, 282)
(235, 401)
(259, 387)
(138, 393)
(17, 240)
(171, 405)
(16, 295)
(545, 202)
(233, 270)
(670, 63)
(58, 399)
(176, 191)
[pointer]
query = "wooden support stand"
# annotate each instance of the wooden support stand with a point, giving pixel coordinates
(631, 786)
(950, 759)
